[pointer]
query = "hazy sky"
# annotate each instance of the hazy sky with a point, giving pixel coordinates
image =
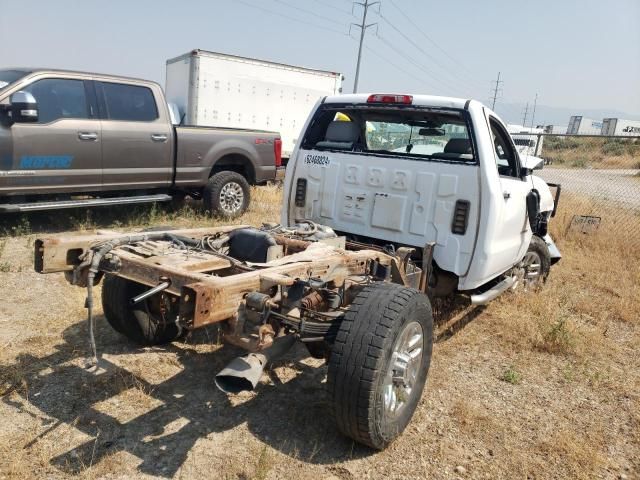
(581, 54)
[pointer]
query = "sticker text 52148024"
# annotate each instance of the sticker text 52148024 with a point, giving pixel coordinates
(315, 159)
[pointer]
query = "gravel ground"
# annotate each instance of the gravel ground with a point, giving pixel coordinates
(620, 186)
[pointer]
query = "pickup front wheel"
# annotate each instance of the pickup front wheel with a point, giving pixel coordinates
(227, 194)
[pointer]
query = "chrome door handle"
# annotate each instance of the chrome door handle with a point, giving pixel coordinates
(158, 137)
(87, 136)
(506, 195)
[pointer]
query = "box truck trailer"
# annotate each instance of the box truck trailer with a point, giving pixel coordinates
(579, 125)
(220, 90)
(618, 126)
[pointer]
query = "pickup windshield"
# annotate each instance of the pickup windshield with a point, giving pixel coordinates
(408, 132)
(7, 77)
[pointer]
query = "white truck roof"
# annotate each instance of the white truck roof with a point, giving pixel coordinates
(421, 100)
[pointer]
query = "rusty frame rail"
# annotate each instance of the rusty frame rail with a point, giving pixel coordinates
(210, 289)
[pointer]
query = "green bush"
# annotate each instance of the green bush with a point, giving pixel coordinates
(614, 149)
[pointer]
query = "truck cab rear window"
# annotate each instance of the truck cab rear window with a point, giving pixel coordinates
(129, 102)
(417, 133)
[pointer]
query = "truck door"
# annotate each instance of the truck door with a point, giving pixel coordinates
(512, 234)
(137, 143)
(62, 151)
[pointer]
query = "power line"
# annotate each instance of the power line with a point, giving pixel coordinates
(363, 28)
(495, 92)
(470, 75)
(392, 63)
(309, 12)
(424, 52)
(289, 17)
(327, 4)
(416, 64)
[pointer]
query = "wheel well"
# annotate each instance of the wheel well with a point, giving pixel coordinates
(236, 163)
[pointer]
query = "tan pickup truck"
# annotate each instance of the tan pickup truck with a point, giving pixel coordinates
(72, 139)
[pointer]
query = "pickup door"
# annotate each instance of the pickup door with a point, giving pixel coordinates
(62, 151)
(137, 136)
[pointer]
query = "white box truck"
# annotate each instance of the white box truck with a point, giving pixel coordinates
(618, 126)
(220, 90)
(579, 125)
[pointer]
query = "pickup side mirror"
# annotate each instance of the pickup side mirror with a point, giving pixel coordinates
(24, 108)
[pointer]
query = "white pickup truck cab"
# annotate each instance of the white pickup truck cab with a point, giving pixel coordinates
(410, 170)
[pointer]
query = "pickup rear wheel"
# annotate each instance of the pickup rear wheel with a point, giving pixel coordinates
(227, 194)
(379, 363)
(150, 322)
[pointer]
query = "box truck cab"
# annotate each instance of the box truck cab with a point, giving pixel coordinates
(410, 170)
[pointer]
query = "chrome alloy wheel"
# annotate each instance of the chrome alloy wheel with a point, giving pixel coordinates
(231, 198)
(403, 370)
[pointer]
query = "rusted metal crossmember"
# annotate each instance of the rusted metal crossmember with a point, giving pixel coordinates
(209, 286)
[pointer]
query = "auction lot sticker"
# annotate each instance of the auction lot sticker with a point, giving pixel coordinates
(317, 159)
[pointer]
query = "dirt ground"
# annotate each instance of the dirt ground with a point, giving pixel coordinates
(540, 386)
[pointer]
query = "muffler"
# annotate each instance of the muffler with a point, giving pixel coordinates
(243, 373)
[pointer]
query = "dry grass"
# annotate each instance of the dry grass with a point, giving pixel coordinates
(540, 385)
(592, 152)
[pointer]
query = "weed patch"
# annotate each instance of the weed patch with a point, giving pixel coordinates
(511, 375)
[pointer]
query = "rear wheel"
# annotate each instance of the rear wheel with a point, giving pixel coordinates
(227, 194)
(379, 363)
(150, 322)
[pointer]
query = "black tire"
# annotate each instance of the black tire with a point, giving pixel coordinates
(142, 323)
(540, 249)
(362, 358)
(227, 194)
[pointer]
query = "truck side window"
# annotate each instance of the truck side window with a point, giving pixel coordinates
(506, 157)
(59, 98)
(131, 103)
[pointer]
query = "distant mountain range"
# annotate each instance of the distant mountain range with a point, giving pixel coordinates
(546, 115)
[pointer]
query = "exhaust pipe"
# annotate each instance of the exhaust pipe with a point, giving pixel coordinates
(243, 373)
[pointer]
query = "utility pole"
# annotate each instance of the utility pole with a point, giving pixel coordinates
(533, 115)
(524, 118)
(363, 28)
(495, 92)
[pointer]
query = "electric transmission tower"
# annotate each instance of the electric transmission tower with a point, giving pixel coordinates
(533, 114)
(524, 117)
(363, 28)
(496, 89)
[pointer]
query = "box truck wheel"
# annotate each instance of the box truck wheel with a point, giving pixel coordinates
(150, 322)
(379, 362)
(227, 194)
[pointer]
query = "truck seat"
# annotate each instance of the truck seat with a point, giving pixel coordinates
(340, 135)
(457, 149)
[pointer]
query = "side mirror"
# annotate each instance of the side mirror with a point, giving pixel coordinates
(530, 163)
(24, 108)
